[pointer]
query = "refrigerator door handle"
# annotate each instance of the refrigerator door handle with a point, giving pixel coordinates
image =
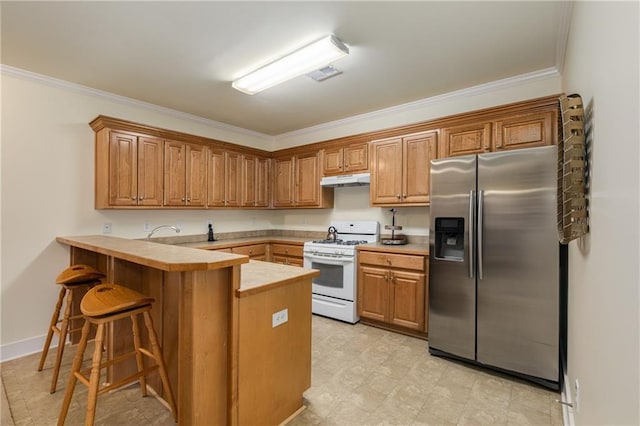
(480, 226)
(472, 202)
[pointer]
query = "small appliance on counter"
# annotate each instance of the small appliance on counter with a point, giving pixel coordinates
(395, 240)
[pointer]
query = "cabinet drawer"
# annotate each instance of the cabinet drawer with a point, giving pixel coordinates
(285, 260)
(402, 261)
(286, 250)
(251, 250)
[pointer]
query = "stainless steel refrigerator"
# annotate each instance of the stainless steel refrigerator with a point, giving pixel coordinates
(495, 262)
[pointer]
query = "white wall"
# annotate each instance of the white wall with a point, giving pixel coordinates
(47, 183)
(601, 65)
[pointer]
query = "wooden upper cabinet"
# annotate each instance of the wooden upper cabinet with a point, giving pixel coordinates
(184, 174)
(386, 171)
(525, 131)
(263, 182)
(349, 159)
(400, 169)
(255, 181)
(307, 180)
(296, 182)
(514, 131)
(224, 179)
(135, 171)
(283, 186)
(474, 138)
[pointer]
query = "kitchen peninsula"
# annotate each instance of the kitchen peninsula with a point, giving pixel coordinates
(236, 335)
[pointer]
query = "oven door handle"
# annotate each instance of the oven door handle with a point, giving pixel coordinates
(329, 260)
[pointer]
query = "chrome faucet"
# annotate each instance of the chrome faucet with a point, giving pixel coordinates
(160, 227)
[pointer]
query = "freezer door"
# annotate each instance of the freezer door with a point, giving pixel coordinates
(451, 268)
(518, 262)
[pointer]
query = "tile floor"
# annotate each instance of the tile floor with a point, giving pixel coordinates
(361, 376)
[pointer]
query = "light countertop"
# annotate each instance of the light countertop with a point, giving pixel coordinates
(165, 257)
(257, 276)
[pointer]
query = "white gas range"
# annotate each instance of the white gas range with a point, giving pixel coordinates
(334, 291)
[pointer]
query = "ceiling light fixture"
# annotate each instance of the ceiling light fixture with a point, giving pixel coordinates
(309, 58)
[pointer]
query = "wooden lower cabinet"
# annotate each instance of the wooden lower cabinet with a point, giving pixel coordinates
(254, 251)
(287, 254)
(392, 291)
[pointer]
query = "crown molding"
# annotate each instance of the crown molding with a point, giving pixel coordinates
(85, 90)
(546, 73)
(543, 74)
(566, 10)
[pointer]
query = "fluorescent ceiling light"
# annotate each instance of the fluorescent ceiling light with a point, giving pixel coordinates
(309, 58)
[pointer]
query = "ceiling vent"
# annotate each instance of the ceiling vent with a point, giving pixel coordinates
(324, 73)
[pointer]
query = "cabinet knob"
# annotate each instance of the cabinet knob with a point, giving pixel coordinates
(388, 261)
(189, 200)
(404, 195)
(398, 196)
(140, 198)
(133, 198)
(286, 251)
(250, 251)
(182, 198)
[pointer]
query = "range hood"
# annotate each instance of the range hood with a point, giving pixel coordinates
(356, 179)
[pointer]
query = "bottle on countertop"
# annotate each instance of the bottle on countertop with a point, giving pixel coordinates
(210, 238)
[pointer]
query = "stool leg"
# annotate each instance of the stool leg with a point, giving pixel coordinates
(139, 359)
(157, 353)
(52, 325)
(94, 379)
(77, 364)
(64, 328)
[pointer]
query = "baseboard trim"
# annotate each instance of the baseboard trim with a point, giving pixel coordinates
(25, 347)
(567, 406)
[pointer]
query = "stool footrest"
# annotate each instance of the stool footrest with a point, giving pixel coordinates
(125, 381)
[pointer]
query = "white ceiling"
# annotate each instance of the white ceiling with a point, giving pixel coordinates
(184, 55)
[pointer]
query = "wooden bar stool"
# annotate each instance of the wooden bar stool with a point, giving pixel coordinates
(102, 305)
(71, 279)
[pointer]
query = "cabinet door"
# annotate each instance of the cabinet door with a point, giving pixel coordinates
(262, 182)
(307, 183)
(249, 180)
(283, 182)
(196, 175)
(123, 169)
(525, 131)
(174, 174)
(373, 293)
(418, 151)
(467, 139)
(332, 161)
(386, 172)
(407, 299)
(150, 171)
(356, 158)
(233, 176)
(216, 179)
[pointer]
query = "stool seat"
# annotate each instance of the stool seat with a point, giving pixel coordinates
(79, 274)
(107, 299)
(73, 279)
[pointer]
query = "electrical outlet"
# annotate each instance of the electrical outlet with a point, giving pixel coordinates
(147, 226)
(279, 318)
(106, 228)
(576, 389)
